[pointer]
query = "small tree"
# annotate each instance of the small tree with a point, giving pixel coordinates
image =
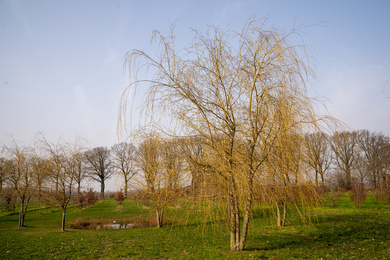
(4, 165)
(91, 197)
(358, 192)
(384, 190)
(318, 154)
(124, 161)
(21, 176)
(80, 169)
(63, 157)
(8, 199)
(119, 197)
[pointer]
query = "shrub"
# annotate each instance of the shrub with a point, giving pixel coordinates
(91, 197)
(119, 197)
(358, 192)
(79, 200)
(8, 199)
(85, 198)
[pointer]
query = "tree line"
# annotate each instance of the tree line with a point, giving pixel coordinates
(160, 171)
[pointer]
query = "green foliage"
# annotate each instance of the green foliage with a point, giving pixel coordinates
(342, 232)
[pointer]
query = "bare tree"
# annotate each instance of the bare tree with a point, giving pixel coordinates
(284, 163)
(80, 169)
(100, 167)
(344, 147)
(160, 177)
(237, 91)
(21, 176)
(3, 172)
(374, 147)
(318, 154)
(124, 161)
(358, 192)
(62, 157)
(41, 172)
(194, 151)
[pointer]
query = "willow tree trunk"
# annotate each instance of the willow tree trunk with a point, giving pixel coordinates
(234, 218)
(159, 217)
(234, 226)
(248, 210)
(281, 220)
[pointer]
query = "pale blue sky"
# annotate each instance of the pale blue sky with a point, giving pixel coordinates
(61, 62)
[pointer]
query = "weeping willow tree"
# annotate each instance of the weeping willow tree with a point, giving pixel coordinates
(237, 92)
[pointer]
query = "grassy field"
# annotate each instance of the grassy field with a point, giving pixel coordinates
(342, 232)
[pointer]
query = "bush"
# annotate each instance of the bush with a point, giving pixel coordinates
(91, 197)
(119, 197)
(84, 199)
(8, 199)
(79, 200)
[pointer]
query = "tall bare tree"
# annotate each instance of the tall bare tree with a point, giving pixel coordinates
(375, 147)
(124, 161)
(237, 91)
(344, 147)
(41, 172)
(80, 169)
(161, 173)
(318, 153)
(61, 158)
(21, 176)
(100, 167)
(3, 172)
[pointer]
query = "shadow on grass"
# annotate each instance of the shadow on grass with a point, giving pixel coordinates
(331, 231)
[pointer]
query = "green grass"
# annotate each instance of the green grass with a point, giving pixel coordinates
(342, 232)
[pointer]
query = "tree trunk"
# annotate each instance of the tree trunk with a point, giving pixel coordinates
(281, 220)
(349, 179)
(63, 220)
(159, 215)
(244, 232)
(57, 182)
(102, 189)
(21, 216)
(126, 187)
(22, 213)
(278, 217)
(39, 191)
(234, 216)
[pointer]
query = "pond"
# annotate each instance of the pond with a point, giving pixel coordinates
(116, 226)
